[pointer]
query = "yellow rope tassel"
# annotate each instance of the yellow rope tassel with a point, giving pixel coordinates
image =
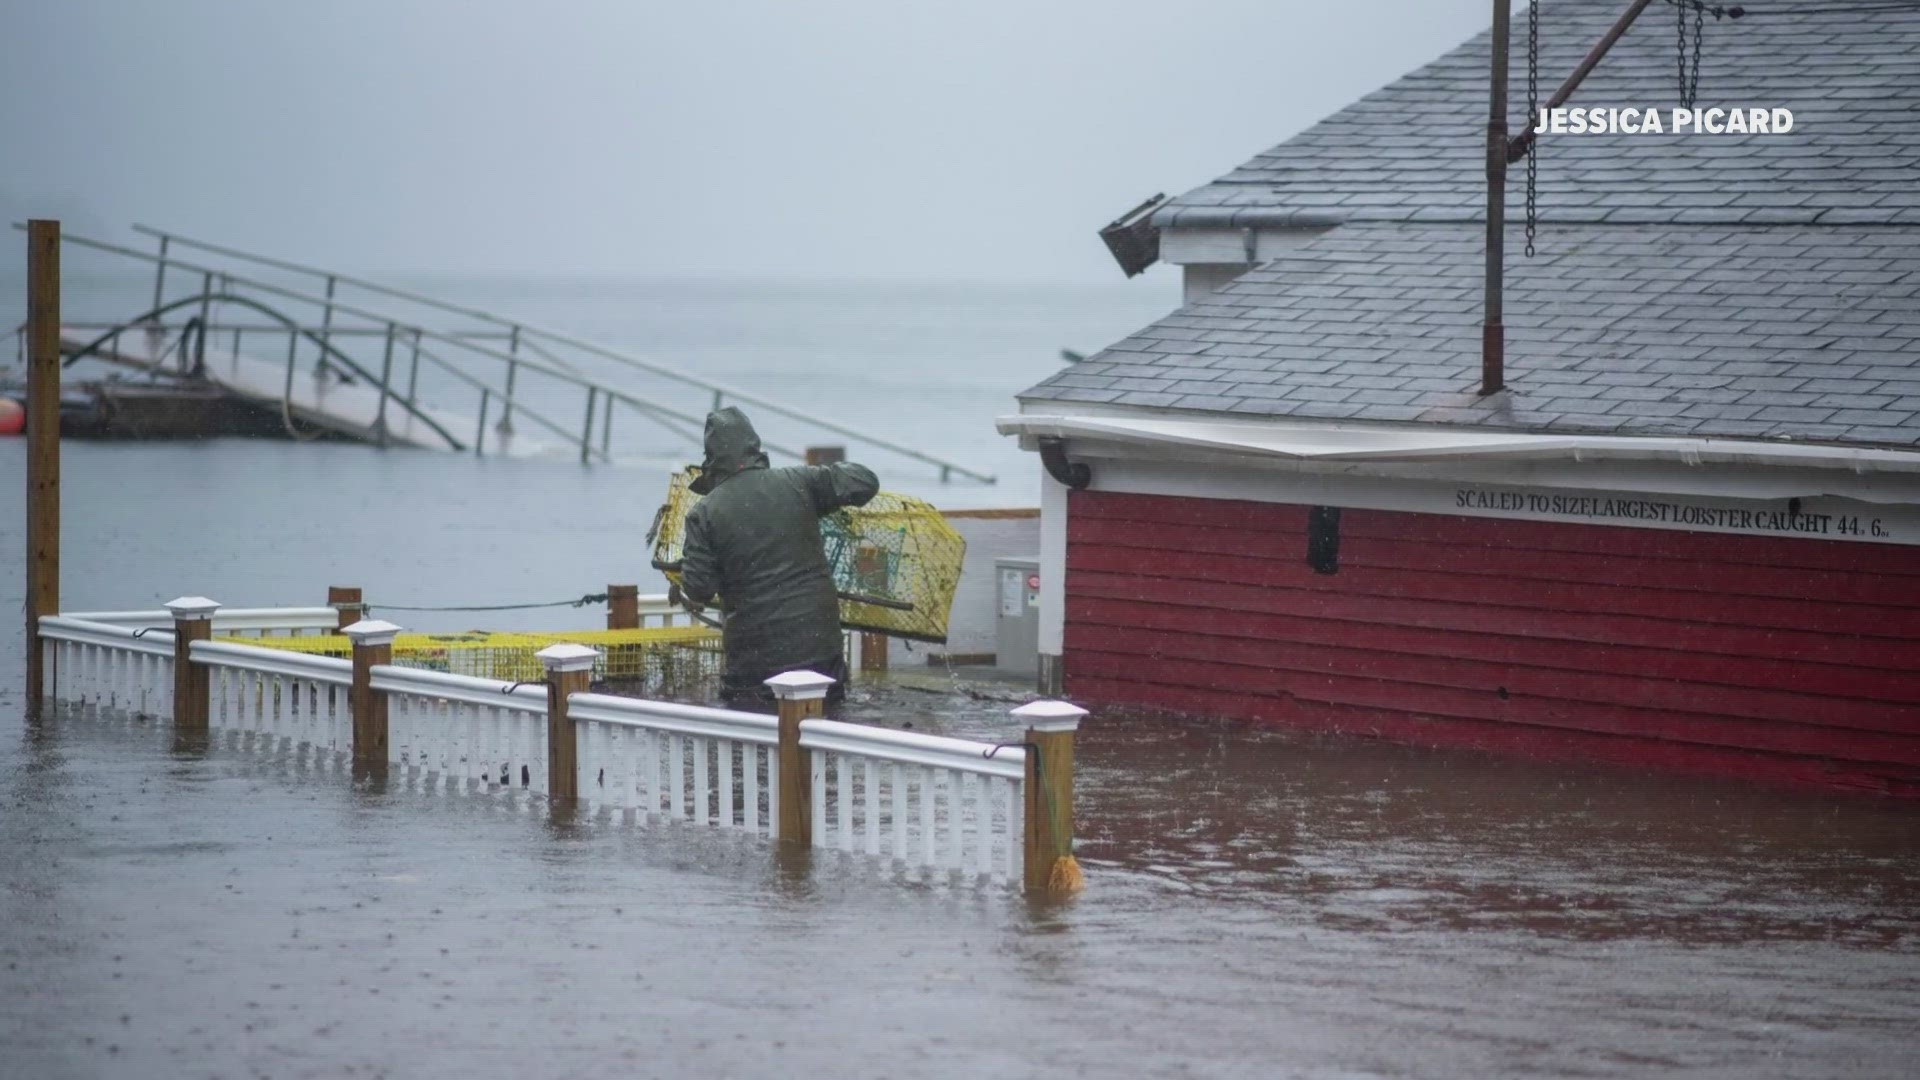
(1065, 877)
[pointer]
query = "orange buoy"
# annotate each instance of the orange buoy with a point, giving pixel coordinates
(13, 417)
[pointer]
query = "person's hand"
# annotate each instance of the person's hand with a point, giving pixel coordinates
(679, 599)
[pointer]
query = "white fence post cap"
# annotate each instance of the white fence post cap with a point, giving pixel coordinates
(371, 632)
(1047, 715)
(799, 685)
(567, 656)
(193, 607)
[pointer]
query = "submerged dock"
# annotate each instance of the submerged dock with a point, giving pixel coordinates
(310, 399)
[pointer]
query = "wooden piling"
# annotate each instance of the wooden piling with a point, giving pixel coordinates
(1050, 868)
(873, 653)
(192, 621)
(623, 607)
(802, 695)
(870, 574)
(372, 646)
(569, 671)
(346, 604)
(43, 447)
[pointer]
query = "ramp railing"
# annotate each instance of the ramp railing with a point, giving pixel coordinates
(530, 349)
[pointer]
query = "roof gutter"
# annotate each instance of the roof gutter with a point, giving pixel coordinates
(1355, 444)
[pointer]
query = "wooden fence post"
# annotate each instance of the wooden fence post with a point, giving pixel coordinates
(192, 621)
(870, 574)
(43, 446)
(345, 601)
(372, 644)
(802, 695)
(569, 671)
(623, 607)
(1050, 865)
(873, 653)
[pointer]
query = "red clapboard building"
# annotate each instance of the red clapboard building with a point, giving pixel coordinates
(1686, 535)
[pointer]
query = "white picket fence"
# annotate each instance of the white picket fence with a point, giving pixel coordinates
(917, 799)
(99, 664)
(462, 733)
(677, 762)
(901, 797)
(273, 700)
(228, 622)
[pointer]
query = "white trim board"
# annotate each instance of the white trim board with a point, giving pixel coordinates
(1817, 517)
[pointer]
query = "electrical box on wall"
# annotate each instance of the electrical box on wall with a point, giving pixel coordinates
(1017, 620)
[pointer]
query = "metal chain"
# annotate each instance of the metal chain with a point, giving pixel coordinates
(1533, 111)
(1689, 63)
(1693, 78)
(1680, 28)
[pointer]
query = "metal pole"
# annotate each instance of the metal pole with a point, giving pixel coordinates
(513, 370)
(326, 329)
(43, 447)
(606, 428)
(160, 273)
(386, 389)
(206, 318)
(1493, 333)
(480, 435)
(586, 430)
(413, 368)
(286, 391)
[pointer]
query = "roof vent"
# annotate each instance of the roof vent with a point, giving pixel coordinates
(1133, 238)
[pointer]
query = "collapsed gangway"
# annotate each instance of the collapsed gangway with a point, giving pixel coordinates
(385, 366)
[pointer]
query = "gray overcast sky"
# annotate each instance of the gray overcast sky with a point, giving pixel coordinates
(829, 139)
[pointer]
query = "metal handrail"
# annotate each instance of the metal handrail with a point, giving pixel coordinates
(525, 330)
(231, 279)
(551, 425)
(270, 328)
(207, 299)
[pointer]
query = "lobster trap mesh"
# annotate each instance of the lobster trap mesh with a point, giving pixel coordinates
(658, 661)
(896, 562)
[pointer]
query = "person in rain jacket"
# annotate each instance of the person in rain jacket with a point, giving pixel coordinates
(754, 541)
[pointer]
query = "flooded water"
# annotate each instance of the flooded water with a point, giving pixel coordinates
(1258, 905)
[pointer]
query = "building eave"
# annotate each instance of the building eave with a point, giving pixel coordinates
(1285, 444)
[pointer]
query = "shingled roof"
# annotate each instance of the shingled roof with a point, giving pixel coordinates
(1736, 286)
(1415, 149)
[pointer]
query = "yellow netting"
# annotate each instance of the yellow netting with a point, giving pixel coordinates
(897, 550)
(655, 661)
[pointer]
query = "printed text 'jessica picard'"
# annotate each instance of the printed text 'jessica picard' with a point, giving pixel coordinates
(1676, 121)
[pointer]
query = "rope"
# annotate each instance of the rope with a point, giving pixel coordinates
(590, 598)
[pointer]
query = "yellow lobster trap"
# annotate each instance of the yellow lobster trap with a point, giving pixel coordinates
(655, 661)
(895, 561)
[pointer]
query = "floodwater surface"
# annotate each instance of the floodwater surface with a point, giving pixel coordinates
(1258, 904)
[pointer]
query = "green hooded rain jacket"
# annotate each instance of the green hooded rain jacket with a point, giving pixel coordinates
(754, 541)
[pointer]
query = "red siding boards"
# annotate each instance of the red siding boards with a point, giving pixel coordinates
(1773, 657)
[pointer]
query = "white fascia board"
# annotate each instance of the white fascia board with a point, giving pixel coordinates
(1653, 463)
(1182, 246)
